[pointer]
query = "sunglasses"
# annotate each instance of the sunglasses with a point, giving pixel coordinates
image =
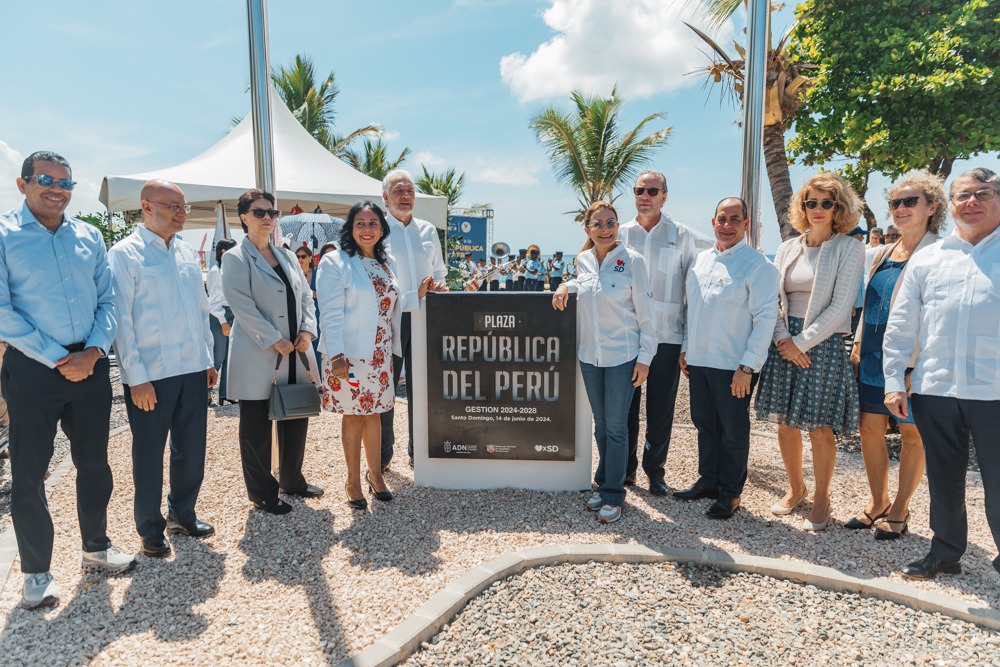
(985, 194)
(45, 181)
(610, 224)
(905, 202)
(651, 191)
(892, 235)
(825, 204)
(261, 213)
(302, 256)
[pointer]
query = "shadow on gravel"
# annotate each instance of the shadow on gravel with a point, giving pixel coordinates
(304, 542)
(160, 598)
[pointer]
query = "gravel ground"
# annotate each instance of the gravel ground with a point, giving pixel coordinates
(671, 614)
(325, 582)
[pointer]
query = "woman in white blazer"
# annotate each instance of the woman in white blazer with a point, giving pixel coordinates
(917, 204)
(274, 318)
(807, 383)
(360, 309)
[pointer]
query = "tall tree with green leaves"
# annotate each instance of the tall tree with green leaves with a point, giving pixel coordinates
(784, 98)
(921, 90)
(588, 149)
(373, 158)
(312, 103)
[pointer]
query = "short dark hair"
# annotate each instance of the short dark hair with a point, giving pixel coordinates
(28, 166)
(327, 247)
(248, 198)
(743, 206)
(221, 247)
(347, 242)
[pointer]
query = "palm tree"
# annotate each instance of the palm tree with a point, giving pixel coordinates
(784, 97)
(374, 160)
(312, 104)
(448, 184)
(588, 150)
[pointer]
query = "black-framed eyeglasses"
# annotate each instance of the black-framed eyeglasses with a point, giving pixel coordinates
(825, 204)
(174, 208)
(985, 194)
(46, 181)
(598, 225)
(906, 202)
(261, 213)
(652, 192)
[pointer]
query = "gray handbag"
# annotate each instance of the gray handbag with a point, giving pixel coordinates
(293, 401)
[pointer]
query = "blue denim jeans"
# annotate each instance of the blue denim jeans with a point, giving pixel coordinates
(609, 391)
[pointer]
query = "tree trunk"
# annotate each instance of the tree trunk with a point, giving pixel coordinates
(867, 212)
(941, 166)
(777, 173)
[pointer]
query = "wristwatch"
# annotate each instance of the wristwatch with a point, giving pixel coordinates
(746, 369)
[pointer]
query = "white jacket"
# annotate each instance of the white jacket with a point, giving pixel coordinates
(348, 307)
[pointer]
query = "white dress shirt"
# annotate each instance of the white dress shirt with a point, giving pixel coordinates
(417, 252)
(732, 306)
(614, 309)
(163, 328)
(949, 306)
(216, 299)
(669, 250)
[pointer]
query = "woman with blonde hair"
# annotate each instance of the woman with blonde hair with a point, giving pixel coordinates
(917, 205)
(807, 383)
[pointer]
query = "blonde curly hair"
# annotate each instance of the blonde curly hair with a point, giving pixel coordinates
(931, 187)
(848, 207)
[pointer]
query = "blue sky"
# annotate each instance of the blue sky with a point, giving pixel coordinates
(122, 86)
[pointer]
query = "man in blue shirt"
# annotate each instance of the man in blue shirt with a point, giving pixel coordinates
(57, 315)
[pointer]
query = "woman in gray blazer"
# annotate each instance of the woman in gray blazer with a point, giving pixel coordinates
(275, 318)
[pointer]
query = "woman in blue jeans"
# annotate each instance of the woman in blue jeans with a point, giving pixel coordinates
(617, 341)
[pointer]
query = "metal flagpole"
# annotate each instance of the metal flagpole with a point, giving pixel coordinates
(758, 17)
(260, 111)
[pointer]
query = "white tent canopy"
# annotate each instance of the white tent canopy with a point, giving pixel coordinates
(305, 172)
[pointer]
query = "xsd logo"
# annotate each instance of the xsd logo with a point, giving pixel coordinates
(547, 448)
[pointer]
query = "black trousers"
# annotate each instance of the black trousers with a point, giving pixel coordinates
(180, 414)
(398, 363)
(554, 284)
(945, 425)
(494, 285)
(519, 284)
(255, 453)
(38, 397)
(661, 394)
(723, 425)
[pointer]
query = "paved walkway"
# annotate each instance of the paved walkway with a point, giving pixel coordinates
(325, 582)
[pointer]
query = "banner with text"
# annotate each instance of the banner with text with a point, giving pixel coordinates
(501, 377)
(473, 233)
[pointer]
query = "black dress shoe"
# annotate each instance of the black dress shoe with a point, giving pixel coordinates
(658, 488)
(929, 567)
(309, 492)
(723, 508)
(277, 507)
(157, 548)
(196, 529)
(384, 496)
(697, 492)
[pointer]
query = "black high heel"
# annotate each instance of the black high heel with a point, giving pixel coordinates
(883, 534)
(384, 496)
(359, 504)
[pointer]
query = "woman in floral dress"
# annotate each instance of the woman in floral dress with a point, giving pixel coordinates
(359, 318)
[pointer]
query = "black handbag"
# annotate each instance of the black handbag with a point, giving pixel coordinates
(293, 401)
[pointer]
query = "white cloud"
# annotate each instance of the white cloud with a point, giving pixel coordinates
(390, 135)
(642, 45)
(429, 160)
(509, 173)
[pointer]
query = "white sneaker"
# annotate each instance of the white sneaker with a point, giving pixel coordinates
(610, 513)
(594, 502)
(40, 590)
(110, 560)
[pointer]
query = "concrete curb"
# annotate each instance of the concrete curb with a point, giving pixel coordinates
(8, 542)
(405, 639)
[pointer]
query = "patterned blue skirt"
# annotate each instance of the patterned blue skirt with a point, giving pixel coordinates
(825, 395)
